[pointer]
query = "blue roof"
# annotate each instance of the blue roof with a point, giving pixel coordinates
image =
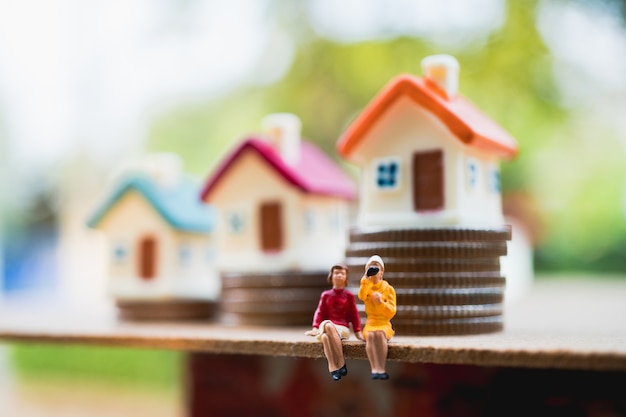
(179, 204)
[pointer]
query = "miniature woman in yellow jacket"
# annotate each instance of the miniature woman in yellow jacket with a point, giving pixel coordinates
(380, 307)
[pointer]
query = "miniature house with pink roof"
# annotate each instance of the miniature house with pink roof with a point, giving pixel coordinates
(283, 204)
(428, 156)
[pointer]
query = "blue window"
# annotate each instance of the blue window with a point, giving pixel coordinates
(120, 253)
(472, 173)
(184, 254)
(309, 220)
(387, 174)
(235, 223)
(495, 181)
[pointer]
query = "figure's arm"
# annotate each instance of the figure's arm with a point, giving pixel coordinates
(353, 315)
(318, 317)
(389, 301)
(354, 318)
(364, 288)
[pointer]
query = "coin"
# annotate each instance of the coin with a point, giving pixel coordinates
(449, 296)
(173, 309)
(458, 234)
(447, 311)
(445, 279)
(270, 307)
(289, 279)
(412, 250)
(395, 265)
(272, 299)
(272, 295)
(455, 326)
(268, 319)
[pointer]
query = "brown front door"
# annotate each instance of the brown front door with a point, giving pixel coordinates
(147, 257)
(428, 181)
(271, 227)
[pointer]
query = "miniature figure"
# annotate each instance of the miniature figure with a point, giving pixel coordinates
(380, 306)
(334, 314)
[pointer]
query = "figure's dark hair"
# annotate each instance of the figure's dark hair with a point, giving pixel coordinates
(336, 266)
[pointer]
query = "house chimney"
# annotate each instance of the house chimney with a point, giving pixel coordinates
(442, 71)
(283, 132)
(165, 169)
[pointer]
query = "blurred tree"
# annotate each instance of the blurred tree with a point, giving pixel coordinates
(330, 82)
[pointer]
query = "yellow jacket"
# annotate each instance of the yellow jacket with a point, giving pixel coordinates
(378, 314)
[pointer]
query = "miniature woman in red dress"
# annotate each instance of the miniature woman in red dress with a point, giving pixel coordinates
(336, 310)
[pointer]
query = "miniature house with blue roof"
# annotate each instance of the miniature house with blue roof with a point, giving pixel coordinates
(160, 245)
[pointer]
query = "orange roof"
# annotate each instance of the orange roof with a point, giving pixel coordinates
(466, 122)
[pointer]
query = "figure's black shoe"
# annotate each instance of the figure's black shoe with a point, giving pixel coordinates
(335, 375)
(383, 375)
(343, 371)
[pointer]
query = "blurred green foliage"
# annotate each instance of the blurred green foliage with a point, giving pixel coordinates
(575, 185)
(130, 367)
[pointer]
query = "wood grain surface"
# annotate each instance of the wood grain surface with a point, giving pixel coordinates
(569, 323)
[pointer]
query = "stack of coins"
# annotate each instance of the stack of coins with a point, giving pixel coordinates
(272, 299)
(172, 309)
(447, 280)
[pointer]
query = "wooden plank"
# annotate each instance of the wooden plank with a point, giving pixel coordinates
(566, 324)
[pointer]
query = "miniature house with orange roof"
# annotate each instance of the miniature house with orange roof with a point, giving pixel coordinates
(428, 156)
(283, 204)
(159, 237)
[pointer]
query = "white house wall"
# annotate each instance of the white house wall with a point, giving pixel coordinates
(196, 263)
(125, 224)
(324, 232)
(404, 129)
(481, 203)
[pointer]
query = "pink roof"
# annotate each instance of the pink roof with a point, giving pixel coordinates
(315, 173)
(468, 124)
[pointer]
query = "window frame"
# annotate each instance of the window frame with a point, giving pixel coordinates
(185, 254)
(397, 175)
(236, 215)
(472, 178)
(120, 252)
(495, 179)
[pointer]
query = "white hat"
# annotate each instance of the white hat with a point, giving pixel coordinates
(375, 258)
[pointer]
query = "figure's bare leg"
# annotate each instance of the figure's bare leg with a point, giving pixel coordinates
(332, 347)
(370, 349)
(376, 349)
(381, 350)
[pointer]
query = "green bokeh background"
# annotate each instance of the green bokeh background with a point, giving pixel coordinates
(570, 169)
